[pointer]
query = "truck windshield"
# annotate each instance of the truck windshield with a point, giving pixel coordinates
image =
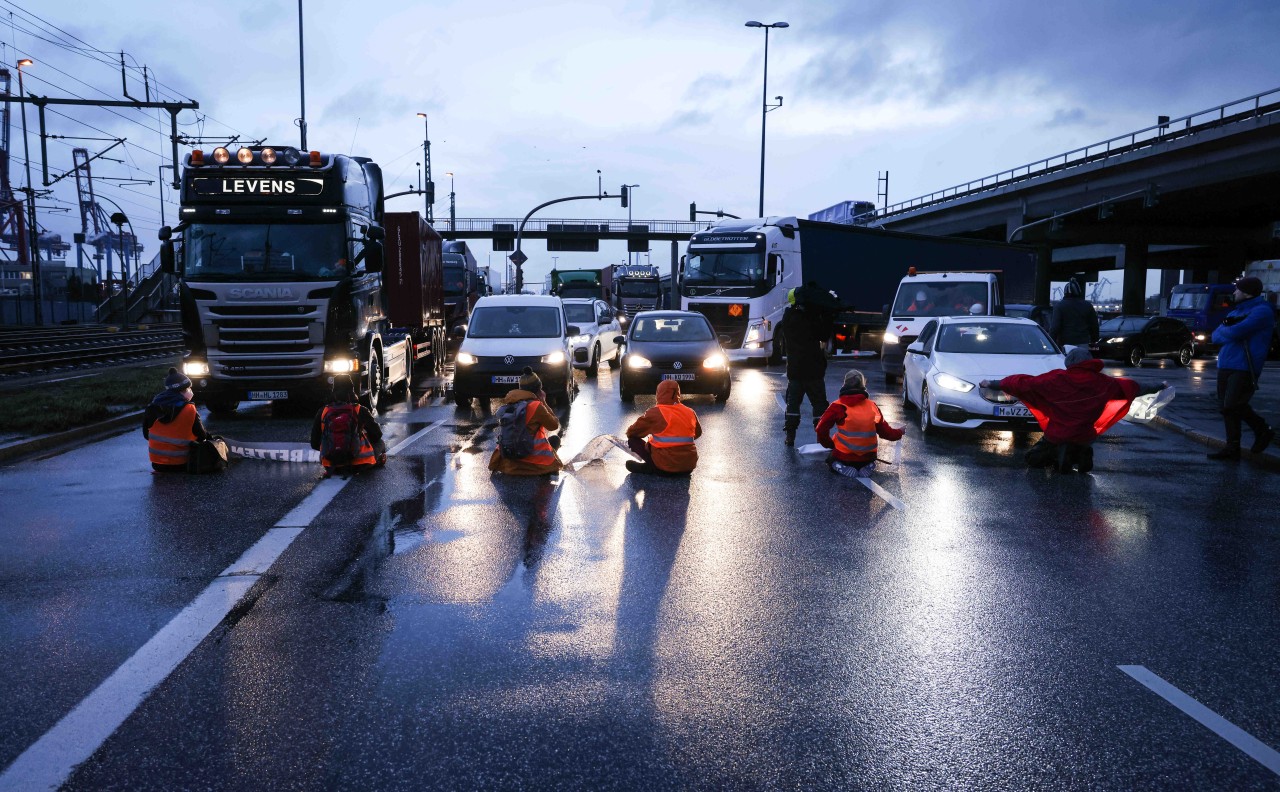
(724, 268)
(938, 298)
(265, 252)
(515, 321)
(995, 338)
(455, 281)
(638, 288)
(1188, 301)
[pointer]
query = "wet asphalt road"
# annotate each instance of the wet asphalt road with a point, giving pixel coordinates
(763, 625)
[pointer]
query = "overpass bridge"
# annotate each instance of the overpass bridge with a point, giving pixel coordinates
(1198, 194)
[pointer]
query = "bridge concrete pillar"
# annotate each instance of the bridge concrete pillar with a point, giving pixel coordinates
(1168, 279)
(1044, 275)
(675, 281)
(1135, 279)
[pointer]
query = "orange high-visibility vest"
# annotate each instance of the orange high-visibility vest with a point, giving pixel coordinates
(543, 453)
(681, 425)
(169, 443)
(366, 455)
(856, 434)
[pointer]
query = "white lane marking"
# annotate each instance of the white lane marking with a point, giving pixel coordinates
(883, 493)
(413, 438)
(48, 763)
(50, 760)
(1241, 739)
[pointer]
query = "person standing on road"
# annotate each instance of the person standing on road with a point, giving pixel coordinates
(1245, 337)
(802, 331)
(858, 422)
(672, 429)
(1074, 321)
(171, 424)
(346, 434)
(1073, 406)
(530, 402)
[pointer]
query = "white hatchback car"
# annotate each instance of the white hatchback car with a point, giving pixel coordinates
(597, 327)
(953, 354)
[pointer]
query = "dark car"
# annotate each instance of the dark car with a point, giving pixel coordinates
(1040, 314)
(675, 345)
(1137, 338)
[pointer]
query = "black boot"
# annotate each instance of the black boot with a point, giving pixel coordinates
(1227, 452)
(1084, 459)
(790, 438)
(1262, 439)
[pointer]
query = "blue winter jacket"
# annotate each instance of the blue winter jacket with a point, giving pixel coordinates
(1255, 329)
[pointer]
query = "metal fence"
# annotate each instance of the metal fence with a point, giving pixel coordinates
(476, 225)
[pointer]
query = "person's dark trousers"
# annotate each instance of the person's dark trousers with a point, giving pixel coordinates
(1235, 389)
(1062, 457)
(1043, 454)
(641, 448)
(797, 390)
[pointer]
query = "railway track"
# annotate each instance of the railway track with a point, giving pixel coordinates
(26, 351)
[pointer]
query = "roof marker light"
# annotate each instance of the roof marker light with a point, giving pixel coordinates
(315, 159)
(197, 158)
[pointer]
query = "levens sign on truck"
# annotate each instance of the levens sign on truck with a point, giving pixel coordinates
(232, 186)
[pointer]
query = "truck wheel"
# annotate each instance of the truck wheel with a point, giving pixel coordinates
(402, 387)
(375, 380)
(1185, 354)
(1135, 356)
(593, 370)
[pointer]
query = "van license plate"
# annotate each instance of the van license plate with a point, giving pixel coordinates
(681, 377)
(507, 379)
(1013, 411)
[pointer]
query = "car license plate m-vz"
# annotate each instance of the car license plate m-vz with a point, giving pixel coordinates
(506, 379)
(1012, 411)
(267, 395)
(680, 377)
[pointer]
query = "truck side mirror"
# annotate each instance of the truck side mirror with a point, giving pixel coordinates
(373, 255)
(682, 265)
(167, 262)
(376, 233)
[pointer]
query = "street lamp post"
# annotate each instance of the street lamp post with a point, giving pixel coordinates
(302, 81)
(32, 233)
(429, 187)
(630, 200)
(764, 101)
(452, 208)
(118, 220)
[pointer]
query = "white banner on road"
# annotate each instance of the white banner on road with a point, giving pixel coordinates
(276, 452)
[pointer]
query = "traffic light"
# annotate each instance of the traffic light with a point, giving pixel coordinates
(693, 213)
(626, 194)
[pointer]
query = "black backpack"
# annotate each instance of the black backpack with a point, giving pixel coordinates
(342, 439)
(515, 440)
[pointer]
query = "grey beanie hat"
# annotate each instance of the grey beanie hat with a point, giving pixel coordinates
(176, 380)
(530, 381)
(1078, 355)
(855, 379)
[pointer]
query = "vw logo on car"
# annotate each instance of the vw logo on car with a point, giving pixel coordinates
(508, 360)
(677, 365)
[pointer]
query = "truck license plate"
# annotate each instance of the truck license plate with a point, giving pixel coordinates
(267, 395)
(1012, 411)
(681, 377)
(507, 379)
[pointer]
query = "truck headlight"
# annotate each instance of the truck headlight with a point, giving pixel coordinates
(715, 361)
(341, 366)
(753, 333)
(953, 383)
(554, 357)
(195, 368)
(890, 338)
(637, 362)
(464, 359)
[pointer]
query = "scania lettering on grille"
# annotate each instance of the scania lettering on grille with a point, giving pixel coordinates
(261, 293)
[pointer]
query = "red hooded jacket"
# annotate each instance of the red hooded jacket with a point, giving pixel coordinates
(1076, 404)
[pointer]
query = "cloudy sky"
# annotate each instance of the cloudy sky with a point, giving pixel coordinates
(528, 100)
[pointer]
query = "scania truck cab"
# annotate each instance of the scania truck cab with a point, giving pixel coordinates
(280, 267)
(737, 274)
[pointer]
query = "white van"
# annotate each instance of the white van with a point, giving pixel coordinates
(507, 332)
(927, 295)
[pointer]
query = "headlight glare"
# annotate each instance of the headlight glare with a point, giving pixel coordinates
(953, 383)
(638, 362)
(1117, 340)
(890, 338)
(464, 359)
(195, 368)
(554, 357)
(715, 361)
(341, 366)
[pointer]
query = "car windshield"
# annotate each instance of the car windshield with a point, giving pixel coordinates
(580, 313)
(671, 328)
(514, 321)
(638, 288)
(1123, 324)
(995, 338)
(265, 251)
(938, 298)
(727, 268)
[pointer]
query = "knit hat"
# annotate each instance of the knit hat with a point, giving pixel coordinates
(855, 379)
(1251, 286)
(1078, 355)
(176, 381)
(344, 390)
(1072, 289)
(530, 381)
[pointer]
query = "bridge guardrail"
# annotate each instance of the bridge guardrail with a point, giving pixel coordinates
(1254, 106)
(486, 224)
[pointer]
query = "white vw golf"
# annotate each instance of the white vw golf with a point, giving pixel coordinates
(954, 353)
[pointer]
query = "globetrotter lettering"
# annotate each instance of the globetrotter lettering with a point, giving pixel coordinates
(259, 186)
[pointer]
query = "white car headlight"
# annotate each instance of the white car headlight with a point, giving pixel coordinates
(341, 366)
(1199, 336)
(1118, 340)
(890, 338)
(195, 368)
(715, 361)
(580, 339)
(953, 383)
(637, 362)
(554, 357)
(464, 359)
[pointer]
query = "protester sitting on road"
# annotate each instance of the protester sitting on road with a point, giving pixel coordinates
(524, 449)
(672, 429)
(1245, 335)
(171, 423)
(347, 436)
(857, 421)
(1073, 406)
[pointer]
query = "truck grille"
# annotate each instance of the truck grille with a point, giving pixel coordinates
(735, 327)
(265, 341)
